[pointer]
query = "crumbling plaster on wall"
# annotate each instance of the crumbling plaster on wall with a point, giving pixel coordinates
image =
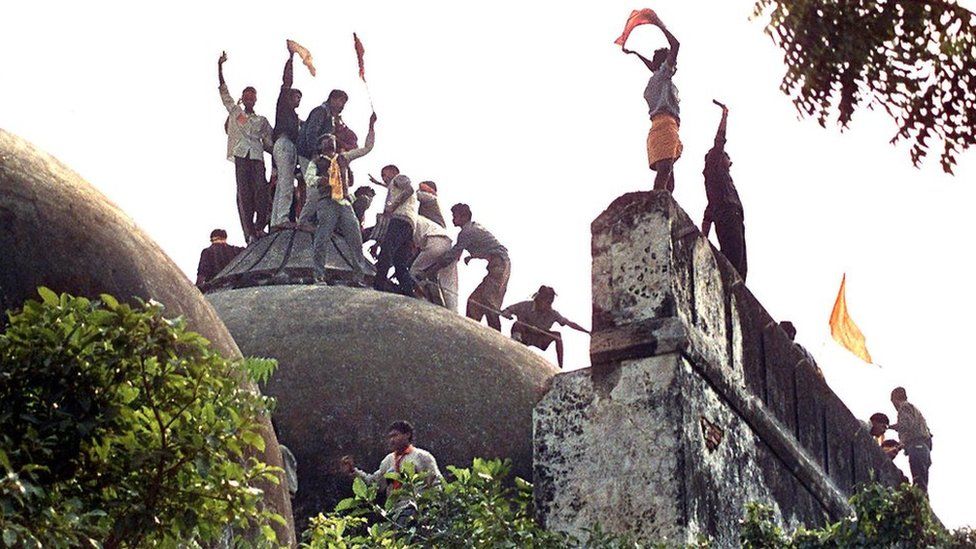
(697, 402)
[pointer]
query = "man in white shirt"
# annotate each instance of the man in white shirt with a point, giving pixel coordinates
(248, 137)
(433, 242)
(400, 214)
(402, 451)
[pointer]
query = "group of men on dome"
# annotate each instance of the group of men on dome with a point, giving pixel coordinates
(310, 189)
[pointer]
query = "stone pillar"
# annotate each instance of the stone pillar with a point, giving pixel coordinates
(696, 402)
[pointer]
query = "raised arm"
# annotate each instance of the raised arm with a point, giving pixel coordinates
(673, 43)
(220, 68)
(225, 97)
(720, 134)
(288, 77)
(368, 146)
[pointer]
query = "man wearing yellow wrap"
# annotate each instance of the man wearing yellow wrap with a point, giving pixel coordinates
(663, 143)
(329, 173)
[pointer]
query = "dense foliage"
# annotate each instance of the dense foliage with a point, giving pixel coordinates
(883, 517)
(122, 428)
(476, 508)
(916, 59)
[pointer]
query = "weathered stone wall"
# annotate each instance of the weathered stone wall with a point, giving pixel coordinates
(697, 402)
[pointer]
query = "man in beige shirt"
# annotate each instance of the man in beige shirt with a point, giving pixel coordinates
(248, 138)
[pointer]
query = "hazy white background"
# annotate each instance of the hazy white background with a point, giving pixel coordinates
(529, 113)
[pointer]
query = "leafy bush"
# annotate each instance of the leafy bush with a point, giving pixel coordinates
(475, 509)
(883, 517)
(120, 427)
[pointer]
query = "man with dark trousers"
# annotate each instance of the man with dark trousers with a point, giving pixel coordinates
(724, 207)
(248, 137)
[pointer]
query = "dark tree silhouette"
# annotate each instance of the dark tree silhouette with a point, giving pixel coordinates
(916, 59)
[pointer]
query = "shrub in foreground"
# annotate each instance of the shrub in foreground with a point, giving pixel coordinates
(120, 427)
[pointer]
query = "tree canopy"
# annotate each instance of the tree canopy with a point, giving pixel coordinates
(120, 427)
(916, 59)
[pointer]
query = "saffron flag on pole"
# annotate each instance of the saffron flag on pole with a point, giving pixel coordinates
(843, 329)
(359, 55)
(637, 18)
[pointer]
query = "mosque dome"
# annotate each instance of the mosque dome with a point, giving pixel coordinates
(351, 361)
(57, 231)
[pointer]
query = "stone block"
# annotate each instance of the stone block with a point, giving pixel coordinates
(606, 450)
(631, 261)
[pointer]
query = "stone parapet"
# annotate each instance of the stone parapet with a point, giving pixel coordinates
(696, 403)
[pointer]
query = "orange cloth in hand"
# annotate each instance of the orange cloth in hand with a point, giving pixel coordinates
(637, 18)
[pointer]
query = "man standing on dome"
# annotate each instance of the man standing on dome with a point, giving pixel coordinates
(324, 119)
(486, 300)
(724, 207)
(663, 143)
(328, 173)
(402, 451)
(285, 153)
(433, 242)
(248, 137)
(214, 258)
(535, 319)
(396, 244)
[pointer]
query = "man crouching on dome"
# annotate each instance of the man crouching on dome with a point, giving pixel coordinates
(400, 442)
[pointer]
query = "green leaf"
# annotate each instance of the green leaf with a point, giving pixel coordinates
(359, 487)
(269, 533)
(49, 297)
(109, 301)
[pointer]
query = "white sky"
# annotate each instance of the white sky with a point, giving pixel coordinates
(529, 113)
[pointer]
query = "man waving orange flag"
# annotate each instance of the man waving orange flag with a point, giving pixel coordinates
(844, 330)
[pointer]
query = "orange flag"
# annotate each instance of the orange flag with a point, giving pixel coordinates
(360, 51)
(844, 330)
(637, 18)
